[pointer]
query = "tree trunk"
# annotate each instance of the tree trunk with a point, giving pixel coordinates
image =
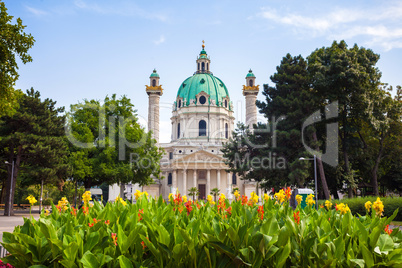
(12, 177)
(321, 170)
(122, 186)
(374, 172)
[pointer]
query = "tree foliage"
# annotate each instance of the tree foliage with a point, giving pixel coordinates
(33, 138)
(108, 144)
(13, 42)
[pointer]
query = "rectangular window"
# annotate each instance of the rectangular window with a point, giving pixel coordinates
(170, 155)
(170, 179)
(234, 179)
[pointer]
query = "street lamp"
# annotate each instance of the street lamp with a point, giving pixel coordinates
(10, 205)
(315, 176)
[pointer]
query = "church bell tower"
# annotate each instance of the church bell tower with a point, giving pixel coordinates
(250, 91)
(154, 91)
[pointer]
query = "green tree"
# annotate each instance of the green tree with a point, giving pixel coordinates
(215, 193)
(350, 77)
(108, 144)
(13, 42)
(193, 191)
(33, 139)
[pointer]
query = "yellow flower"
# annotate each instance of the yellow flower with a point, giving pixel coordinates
(266, 197)
(32, 200)
(86, 197)
(184, 198)
(378, 207)
(328, 204)
(342, 208)
(46, 212)
(367, 205)
(310, 200)
(146, 194)
(63, 204)
(209, 199)
(237, 194)
(299, 199)
(222, 196)
(280, 196)
(137, 194)
(170, 196)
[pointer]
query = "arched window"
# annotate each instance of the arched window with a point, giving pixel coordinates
(226, 131)
(198, 66)
(226, 103)
(207, 67)
(202, 125)
(179, 103)
(178, 130)
(153, 82)
(234, 179)
(203, 66)
(250, 83)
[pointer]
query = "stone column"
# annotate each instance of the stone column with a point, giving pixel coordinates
(208, 186)
(218, 179)
(229, 183)
(174, 182)
(184, 182)
(251, 109)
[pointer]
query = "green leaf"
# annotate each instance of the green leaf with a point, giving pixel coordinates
(385, 243)
(89, 260)
(92, 240)
(359, 262)
(125, 262)
(367, 256)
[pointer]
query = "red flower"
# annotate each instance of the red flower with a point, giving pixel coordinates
(85, 210)
(73, 211)
(229, 210)
(90, 224)
(140, 212)
(387, 230)
(107, 222)
(296, 217)
(188, 207)
(244, 199)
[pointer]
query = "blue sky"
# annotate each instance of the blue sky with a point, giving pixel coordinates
(93, 48)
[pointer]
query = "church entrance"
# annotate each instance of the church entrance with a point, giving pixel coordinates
(201, 189)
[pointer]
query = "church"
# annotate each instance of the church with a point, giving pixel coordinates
(202, 121)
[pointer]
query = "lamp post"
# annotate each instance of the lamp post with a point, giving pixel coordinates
(10, 205)
(315, 176)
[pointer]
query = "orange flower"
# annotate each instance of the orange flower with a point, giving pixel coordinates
(114, 238)
(387, 230)
(73, 211)
(296, 217)
(95, 220)
(143, 245)
(261, 212)
(90, 224)
(244, 199)
(288, 193)
(107, 222)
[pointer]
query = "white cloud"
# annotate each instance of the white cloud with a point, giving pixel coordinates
(35, 11)
(160, 40)
(379, 26)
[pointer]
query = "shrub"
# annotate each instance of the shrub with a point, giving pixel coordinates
(356, 205)
(152, 233)
(47, 201)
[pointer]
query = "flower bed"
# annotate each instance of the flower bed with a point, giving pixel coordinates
(152, 233)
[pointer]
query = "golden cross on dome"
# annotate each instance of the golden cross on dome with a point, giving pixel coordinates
(203, 46)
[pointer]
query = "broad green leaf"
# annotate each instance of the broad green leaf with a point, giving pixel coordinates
(125, 262)
(89, 260)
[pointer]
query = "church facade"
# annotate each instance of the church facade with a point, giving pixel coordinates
(202, 121)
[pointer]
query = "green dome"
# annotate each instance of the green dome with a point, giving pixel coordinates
(250, 74)
(208, 83)
(154, 74)
(203, 52)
